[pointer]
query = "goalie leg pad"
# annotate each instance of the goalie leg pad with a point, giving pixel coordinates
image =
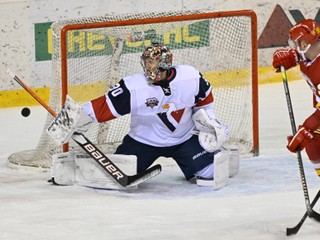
(63, 168)
(234, 162)
(234, 159)
(220, 172)
(90, 174)
(79, 169)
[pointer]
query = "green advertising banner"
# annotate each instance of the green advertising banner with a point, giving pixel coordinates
(42, 36)
(83, 43)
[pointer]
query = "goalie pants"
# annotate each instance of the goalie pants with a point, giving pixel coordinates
(190, 156)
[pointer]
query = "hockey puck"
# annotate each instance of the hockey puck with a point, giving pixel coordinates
(25, 112)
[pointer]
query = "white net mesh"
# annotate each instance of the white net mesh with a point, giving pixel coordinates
(99, 54)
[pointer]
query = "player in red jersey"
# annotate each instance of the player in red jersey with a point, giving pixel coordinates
(304, 40)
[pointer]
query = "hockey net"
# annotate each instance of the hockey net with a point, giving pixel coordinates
(91, 54)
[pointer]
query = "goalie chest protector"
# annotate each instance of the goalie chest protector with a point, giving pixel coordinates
(161, 115)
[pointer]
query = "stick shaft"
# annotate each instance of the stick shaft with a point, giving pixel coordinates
(294, 131)
(34, 95)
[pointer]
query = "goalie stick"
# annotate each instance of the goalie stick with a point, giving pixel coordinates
(115, 172)
(114, 78)
(310, 212)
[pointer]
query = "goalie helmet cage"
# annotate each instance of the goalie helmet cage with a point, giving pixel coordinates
(91, 54)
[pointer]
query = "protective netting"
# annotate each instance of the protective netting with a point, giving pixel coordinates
(98, 56)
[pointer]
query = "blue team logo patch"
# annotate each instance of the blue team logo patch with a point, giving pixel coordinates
(152, 102)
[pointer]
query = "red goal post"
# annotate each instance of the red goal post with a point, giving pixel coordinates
(90, 54)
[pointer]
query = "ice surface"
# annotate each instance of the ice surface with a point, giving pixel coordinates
(262, 200)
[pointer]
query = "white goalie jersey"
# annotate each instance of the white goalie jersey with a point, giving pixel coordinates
(161, 114)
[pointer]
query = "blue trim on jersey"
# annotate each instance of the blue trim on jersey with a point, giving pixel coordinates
(121, 98)
(203, 88)
(165, 120)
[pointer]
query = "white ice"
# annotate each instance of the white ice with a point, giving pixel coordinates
(259, 203)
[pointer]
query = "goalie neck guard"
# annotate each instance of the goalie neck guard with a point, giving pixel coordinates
(154, 60)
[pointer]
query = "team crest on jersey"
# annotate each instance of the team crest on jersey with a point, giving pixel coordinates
(152, 102)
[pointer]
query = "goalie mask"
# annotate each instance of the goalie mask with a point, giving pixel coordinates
(154, 60)
(307, 30)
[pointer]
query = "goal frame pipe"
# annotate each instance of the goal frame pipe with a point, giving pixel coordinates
(254, 36)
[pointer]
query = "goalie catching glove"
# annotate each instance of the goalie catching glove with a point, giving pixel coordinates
(211, 133)
(70, 119)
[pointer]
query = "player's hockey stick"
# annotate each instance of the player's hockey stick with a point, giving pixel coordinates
(295, 229)
(115, 172)
(311, 213)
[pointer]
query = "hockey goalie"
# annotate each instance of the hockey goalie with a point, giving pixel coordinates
(172, 116)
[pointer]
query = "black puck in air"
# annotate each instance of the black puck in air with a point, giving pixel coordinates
(25, 112)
